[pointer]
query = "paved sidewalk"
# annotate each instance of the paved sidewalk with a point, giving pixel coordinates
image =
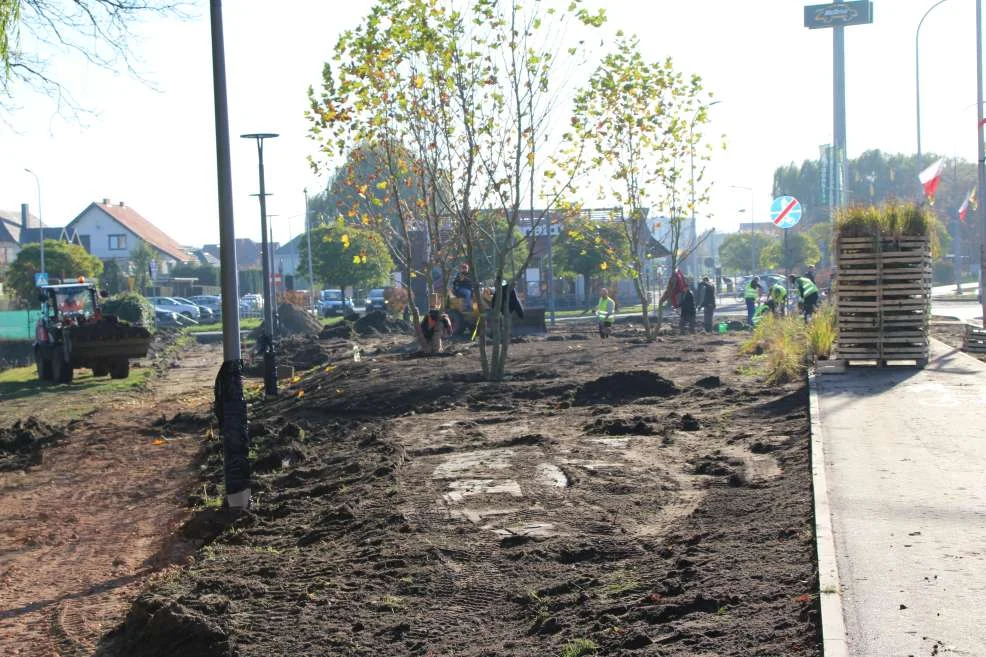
(905, 457)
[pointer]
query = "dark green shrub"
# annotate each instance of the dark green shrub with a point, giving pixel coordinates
(130, 307)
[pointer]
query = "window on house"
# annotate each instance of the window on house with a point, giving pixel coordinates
(118, 242)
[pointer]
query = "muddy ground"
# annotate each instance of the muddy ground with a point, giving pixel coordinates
(610, 498)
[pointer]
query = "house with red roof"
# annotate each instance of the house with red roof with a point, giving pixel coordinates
(111, 231)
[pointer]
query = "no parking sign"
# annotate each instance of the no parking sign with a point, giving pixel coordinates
(785, 211)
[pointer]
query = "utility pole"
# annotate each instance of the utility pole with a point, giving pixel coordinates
(230, 405)
(270, 373)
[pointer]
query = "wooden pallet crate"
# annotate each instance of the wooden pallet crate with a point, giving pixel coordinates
(975, 340)
(883, 298)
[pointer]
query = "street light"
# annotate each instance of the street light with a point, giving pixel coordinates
(753, 231)
(691, 158)
(41, 230)
(308, 238)
(917, 75)
(270, 375)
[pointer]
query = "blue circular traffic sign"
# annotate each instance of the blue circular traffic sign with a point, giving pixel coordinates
(785, 211)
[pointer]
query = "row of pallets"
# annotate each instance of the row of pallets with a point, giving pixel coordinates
(883, 298)
(975, 340)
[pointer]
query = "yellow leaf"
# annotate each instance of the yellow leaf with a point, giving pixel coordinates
(301, 393)
(158, 441)
(355, 259)
(295, 379)
(419, 81)
(330, 368)
(603, 266)
(382, 184)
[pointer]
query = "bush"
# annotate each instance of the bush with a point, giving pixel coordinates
(130, 307)
(781, 345)
(822, 331)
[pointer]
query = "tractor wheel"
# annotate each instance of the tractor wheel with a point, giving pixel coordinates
(100, 369)
(120, 369)
(459, 326)
(44, 364)
(61, 370)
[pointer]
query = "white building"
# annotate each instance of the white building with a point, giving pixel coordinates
(112, 231)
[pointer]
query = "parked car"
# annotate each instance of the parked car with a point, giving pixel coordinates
(206, 316)
(251, 302)
(375, 300)
(170, 319)
(332, 302)
(170, 303)
(213, 303)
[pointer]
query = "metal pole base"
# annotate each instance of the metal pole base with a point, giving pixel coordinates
(231, 411)
(270, 370)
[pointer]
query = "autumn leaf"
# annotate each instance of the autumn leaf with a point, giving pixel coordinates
(603, 265)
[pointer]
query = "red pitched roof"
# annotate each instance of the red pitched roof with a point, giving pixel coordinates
(142, 228)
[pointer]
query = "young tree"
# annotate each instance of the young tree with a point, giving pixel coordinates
(346, 255)
(467, 92)
(140, 263)
(640, 120)
(62, 261)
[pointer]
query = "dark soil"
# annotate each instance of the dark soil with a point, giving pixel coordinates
(953, 334)
(377, 322)
(22, 444)
(404, 506)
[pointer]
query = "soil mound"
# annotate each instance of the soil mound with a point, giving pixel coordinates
(302, 352)
(21, 443)
(343, 330)
(623, 387)
(378, 322)
(291, 320)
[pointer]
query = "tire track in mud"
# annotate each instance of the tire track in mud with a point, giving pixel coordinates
(85, 530)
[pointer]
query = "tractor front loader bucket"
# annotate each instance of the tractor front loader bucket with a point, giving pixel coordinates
(531, 324)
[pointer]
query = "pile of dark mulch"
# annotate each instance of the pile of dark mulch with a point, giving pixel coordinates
(23, 442)
(292, 320)
(624, 387)
(377, 321)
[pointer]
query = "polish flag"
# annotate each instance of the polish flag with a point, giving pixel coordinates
(969, 200)
(930, 178)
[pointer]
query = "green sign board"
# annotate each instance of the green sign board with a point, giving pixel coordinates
(839, 14)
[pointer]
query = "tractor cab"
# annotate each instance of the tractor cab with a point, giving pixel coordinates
(71, 303)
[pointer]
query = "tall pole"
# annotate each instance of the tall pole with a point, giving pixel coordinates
(270, 374)
(917, 76)
(230, 405)
(41, 229)
(308, 238)
(839, 111)
(982, 153)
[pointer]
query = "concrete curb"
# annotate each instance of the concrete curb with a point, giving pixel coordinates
(830, 591)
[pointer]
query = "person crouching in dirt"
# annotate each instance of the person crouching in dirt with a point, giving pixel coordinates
(807, 294)
(606, 312)
(687, 301)
(435, 326)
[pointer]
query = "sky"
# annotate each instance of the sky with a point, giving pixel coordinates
(150, 142)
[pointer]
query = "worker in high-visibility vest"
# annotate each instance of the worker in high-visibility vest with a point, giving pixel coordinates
(778, 297)
(606, 312)
(807, 294)
(751, 294)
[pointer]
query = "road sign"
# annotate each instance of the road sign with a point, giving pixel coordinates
(838, 14)
(785, 211)
(41, 278)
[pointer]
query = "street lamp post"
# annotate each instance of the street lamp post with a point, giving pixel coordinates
(270, 374)
(981, 166)
(41, 228)
(917, 75)
(308, 238)
(753, 231)
(691, 162)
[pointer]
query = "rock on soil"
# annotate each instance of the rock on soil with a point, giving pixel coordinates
(22, 443)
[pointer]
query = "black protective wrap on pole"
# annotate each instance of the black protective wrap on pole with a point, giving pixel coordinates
(231, 411)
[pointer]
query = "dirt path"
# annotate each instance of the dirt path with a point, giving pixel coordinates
(83, 531)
